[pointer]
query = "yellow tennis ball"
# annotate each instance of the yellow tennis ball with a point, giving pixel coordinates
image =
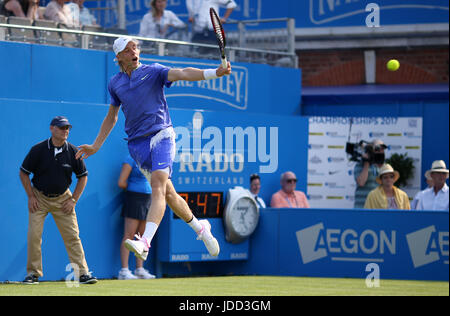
(393, 65)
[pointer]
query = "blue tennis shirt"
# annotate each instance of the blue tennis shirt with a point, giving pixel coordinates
(142, 99)
(137, 182)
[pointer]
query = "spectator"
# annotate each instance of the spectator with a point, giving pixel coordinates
(436, 197)
(418, 196)
(156, 22)
(85, 16)
(288, 197)
(52, 162)
(21, 8)
(366, 172)
(255, 186)
(60, 12)
(135, 208)
(201, 22)
(386, 195)
(74, 12)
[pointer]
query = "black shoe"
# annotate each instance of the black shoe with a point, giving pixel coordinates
(31, 279)
(87, 279)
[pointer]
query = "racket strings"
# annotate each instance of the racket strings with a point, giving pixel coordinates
(218, 30)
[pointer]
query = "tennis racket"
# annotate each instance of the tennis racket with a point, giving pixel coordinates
(220, 34)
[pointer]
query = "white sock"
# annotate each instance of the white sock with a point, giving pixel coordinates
(150, 230)
(195, 224)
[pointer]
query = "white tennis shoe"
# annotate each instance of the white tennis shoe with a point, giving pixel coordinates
(125, 274)
(208, 239)
(139, 247)
(142, 273)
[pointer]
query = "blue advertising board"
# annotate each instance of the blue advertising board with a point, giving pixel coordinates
(177, 243)
(249, 88)
(307, 13)
(217, 151)
(341, 243)
(335, 13)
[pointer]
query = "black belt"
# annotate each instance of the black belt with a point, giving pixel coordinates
(51, 195)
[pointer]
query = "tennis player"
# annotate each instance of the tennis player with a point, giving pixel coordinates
(139, 89)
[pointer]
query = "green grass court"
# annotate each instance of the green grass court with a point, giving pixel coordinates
(233, 286)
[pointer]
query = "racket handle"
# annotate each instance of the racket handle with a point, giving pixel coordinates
(224, 62)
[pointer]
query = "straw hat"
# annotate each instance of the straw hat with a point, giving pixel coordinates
(387, 168)
(437, 166)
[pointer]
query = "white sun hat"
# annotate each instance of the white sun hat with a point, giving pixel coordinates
(387, 168)
(437, 166)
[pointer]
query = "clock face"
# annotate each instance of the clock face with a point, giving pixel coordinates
(244, 216)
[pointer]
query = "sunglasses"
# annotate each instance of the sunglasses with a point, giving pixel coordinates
(67, 127)
(389, 176)
(291, 180)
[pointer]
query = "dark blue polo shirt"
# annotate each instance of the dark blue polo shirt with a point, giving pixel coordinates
(52, 167)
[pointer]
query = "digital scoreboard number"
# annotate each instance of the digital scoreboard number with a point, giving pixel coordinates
(204, 204)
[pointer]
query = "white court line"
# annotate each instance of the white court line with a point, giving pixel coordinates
(357, 259)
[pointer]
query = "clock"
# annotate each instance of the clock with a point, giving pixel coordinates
(240, 216)
(204, 204)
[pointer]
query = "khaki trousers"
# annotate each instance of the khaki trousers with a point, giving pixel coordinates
(68, 228)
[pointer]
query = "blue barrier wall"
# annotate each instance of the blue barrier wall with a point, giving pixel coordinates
(76, 88)
(24, 123)
(340, 243)
(77, 75)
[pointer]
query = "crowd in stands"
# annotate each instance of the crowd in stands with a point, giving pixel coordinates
(21, 8)
(375, 187)
(154, 24)
(72, 14)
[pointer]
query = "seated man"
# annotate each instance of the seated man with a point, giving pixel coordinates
(419, 194)
(85, 16)
(58, 11)
(255, 187)
(288, 197)
(436, 197)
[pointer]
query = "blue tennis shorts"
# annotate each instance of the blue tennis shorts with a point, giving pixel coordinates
(154, 152)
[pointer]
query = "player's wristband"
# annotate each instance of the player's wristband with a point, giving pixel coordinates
(210, 74)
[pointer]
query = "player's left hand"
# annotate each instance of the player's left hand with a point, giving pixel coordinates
(223, 71)
(85, 151)
(68, 206)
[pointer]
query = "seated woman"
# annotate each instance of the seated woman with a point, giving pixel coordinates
(156, 22)
(386, 195)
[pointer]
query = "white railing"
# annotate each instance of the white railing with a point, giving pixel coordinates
(163, 47)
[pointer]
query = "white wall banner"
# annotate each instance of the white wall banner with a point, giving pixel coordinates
(331, 182)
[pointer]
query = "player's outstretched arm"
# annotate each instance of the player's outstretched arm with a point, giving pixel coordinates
(107, 125)
(195, 74)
